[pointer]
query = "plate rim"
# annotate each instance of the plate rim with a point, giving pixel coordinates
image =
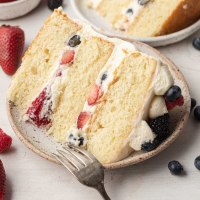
(129, 161)
(157, 41)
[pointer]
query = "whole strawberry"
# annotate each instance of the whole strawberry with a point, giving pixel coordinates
(2, 181)
(5, 141)
(6, 1)
(11, 48)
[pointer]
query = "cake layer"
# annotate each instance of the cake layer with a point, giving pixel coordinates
(39, 59)
(149, 18)
(116, 112)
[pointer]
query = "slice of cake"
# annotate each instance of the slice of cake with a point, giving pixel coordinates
(147, 18)
(98, 93)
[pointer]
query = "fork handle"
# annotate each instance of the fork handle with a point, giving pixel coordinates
(101, 189)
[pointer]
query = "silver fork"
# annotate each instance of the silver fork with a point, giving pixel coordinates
(84, 166)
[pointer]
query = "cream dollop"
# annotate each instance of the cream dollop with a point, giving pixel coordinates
(157, 107)
(163, 81)
(142, 133)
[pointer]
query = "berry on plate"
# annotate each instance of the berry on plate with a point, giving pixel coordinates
(5, 141)
(53, 4)
(160, 126)
(197, 162)
(173, 93)
(193, 103)
(82, 119)
(11, 48)
(197, 113)
(175, 167)
(2, 181)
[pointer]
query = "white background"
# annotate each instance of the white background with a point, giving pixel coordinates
(33, 178)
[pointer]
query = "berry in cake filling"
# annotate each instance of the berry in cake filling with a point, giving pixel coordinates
(95, 94)
(36, 113)
(143, 2)
(104, 77)
(74, 41)
(83, 119)
(67, 57)
(129, 11)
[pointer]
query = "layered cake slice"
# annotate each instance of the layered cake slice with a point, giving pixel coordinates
(99, 93)
(147, 18)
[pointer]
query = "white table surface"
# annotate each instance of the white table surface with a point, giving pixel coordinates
(32, 178)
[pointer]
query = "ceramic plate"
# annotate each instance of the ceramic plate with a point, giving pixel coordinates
(44, 145)
(102, 26)
(17, 8)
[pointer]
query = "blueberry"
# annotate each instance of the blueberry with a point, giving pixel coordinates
(196, 43)
(143, 2)
(175, 167)
(129, 11)
(193, 103)
(197, 113)
(74, 41)
(81, 141)
(197, 162)
(53, 4)
(103, 78)
(150, 146)
(173, 93)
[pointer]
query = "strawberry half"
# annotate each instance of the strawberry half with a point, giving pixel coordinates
(172, 104)
(11, 48)
(5, 141)
(2, 181)
(83, 119)
(95, 94)
(67, 57)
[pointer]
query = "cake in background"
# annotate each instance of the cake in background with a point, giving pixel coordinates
(148, 18)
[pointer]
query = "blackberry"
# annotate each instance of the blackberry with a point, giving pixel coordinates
(175, 167)
(160, 126)
(74, 41)
(197, 162)
(196, 43)
(193, 103)
(53, 4)
(150, 146)
(197, 113)
(173, 93)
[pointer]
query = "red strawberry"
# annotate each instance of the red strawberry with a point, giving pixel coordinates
(67, 57)
(2, 181)
(5, 1)
(5, 141)
(11, 48)
(82, 119)
(95, 94)
(172, 104)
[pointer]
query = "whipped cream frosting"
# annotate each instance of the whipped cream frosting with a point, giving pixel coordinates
(93, 3)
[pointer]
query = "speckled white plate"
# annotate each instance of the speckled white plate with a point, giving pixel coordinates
(44, 145)
(102, 26)
(17, 8)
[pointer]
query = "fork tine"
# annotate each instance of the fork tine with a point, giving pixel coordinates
(84, 152)
(70, 158)
(77, 154)
(66, 164)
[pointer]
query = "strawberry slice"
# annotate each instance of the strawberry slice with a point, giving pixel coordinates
(2, 181)
(173, 104)
(5, 141)
(67, 57)
(83, 119)
(95, 94)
